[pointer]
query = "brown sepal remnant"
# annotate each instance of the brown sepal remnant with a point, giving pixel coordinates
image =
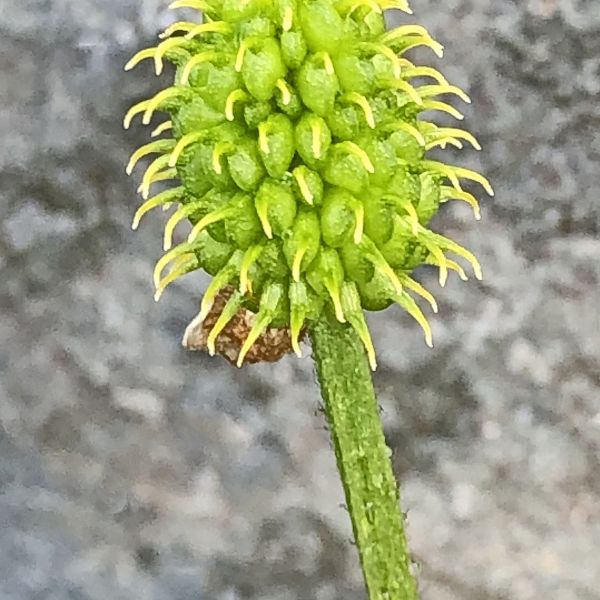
(271, 346)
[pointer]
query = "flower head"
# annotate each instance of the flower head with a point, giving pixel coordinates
(295, 130)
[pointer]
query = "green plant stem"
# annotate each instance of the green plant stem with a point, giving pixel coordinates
(363, 460)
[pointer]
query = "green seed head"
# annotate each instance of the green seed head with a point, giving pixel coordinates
(295, 130)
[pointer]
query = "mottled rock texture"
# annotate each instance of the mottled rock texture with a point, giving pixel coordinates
(132, 469)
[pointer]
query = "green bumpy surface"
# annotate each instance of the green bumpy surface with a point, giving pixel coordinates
(296, 137)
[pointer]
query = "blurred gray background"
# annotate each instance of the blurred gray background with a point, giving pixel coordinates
(130, 469)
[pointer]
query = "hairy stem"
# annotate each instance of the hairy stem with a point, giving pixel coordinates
(363, 460)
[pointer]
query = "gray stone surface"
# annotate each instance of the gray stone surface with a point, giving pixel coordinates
(130, 469)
